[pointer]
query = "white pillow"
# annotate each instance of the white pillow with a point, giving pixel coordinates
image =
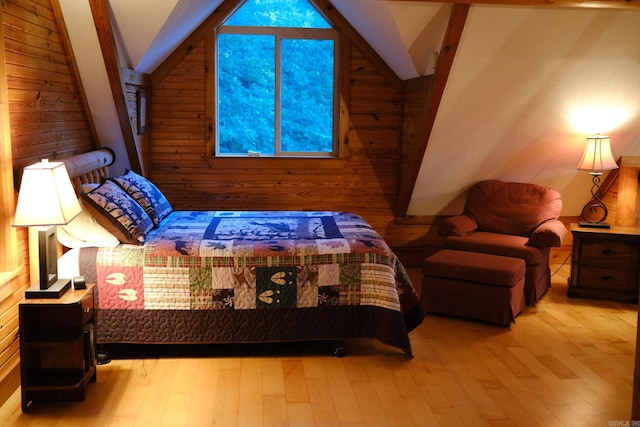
(69, 263)
(84, 231)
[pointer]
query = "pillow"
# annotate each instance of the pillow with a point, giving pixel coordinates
(146, 194)
(112, 207)
(84, 231)
(457, 225)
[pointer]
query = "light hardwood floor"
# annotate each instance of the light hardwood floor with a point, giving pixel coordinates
(566, 362)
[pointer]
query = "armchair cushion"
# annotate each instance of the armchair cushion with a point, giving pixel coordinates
(497, 244)
(458, 225)
(512, 207)
(549, 234)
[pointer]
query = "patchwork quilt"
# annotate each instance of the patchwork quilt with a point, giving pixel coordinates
(294, 266)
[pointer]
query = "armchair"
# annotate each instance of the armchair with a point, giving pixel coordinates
(511, 219)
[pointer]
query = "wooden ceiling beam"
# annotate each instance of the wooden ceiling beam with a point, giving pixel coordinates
(411, 165)
(100, 12)
(581, 4)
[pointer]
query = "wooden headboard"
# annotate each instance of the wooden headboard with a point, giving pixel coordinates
(89, 168)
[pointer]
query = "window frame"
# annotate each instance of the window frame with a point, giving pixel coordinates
(337, 158)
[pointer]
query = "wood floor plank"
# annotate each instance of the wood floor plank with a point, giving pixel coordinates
(201, 412)
(251, 399)
(227, 401)
(295, 384)
(101, 399)
(299, 414)
(322, 407)
(156, 398)
(313, 367)
(344, 400)
(370, 405)
(439, 406)
(178, 406)
(205, 388)
(526, 408)
(209, 369)
(382, 378)
(272, 377)
(275, 413)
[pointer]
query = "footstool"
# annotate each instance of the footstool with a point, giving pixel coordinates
(474, 285)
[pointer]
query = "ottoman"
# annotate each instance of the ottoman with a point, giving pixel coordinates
(474, 285)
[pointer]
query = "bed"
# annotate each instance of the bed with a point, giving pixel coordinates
(231, 276)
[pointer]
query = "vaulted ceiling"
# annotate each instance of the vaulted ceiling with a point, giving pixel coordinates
(527, 84)
(404, 33)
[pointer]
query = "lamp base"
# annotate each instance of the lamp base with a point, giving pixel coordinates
(54, 291)
(594, 224)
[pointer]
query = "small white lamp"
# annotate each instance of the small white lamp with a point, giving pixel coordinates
(596, 158)
(46, 199)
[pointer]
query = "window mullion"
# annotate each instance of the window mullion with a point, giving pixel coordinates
(278, 96)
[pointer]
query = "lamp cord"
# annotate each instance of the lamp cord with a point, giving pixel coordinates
(562, 265)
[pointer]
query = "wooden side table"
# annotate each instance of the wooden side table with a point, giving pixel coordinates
(57, 347)
(605, 263)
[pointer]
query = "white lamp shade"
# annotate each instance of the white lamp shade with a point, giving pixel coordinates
(597, 155)
(46, 196)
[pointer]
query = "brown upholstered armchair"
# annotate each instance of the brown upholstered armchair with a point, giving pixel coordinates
(512, 219)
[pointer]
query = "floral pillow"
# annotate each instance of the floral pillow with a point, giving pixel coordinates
(143, 191)
(112, 207)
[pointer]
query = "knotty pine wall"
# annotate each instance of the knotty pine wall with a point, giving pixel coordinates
(47, 114)
(47, 119)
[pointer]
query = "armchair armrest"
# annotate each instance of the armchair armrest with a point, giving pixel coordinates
(457, 225)
(548, 234)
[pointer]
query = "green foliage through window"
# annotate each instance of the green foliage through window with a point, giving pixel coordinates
(278, 13)
(276, 91)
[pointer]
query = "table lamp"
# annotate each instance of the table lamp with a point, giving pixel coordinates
(46, 199)
(596, 158)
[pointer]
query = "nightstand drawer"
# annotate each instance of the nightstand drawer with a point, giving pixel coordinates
(608, 253)
(607, 279)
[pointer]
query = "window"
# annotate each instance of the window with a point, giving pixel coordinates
(277, 91)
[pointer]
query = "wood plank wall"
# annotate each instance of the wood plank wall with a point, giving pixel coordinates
(47, 114)
(47, 120)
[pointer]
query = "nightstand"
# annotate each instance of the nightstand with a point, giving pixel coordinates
(57, 347)
(605, 263)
